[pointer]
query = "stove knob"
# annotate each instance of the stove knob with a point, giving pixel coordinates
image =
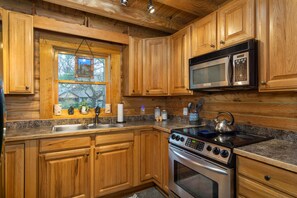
(209, 148)
(173, 136)
(182, 139)
(224, 153)
(216, 151)
(177, 138)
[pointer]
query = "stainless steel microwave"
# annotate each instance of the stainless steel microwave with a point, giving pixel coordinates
(234, 67)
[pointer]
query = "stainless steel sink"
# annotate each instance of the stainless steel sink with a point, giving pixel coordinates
(101, 126)
(78, 127)
(69, 127)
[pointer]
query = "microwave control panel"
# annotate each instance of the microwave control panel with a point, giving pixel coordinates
(241, 69)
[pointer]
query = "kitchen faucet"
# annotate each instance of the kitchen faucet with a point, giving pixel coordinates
(96, 119)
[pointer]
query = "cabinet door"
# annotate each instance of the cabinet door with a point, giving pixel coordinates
(277, 54)
(14, 171)
(165, 161)
(113, 168)
(204, 35)
(133, 67)
(20, 53)
(180, 44)
(150, 149)
(236, 22)
(65, 174)
(155, 66)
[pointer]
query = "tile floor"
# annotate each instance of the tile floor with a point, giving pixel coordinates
(147, 193)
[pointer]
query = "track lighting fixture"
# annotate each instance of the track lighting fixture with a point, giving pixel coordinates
(124, 2)
(150, 7)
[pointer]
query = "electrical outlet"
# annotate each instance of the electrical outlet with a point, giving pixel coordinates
(107, 108)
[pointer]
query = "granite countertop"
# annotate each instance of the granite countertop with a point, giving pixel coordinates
(280, 153)
(46, 132)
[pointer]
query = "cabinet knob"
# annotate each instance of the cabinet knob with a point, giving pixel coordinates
(267, 177)
(263, 82)
(147, 91)
(212, 46)
(97, 155)
(133, 91)
(27, 87)
(222, 42)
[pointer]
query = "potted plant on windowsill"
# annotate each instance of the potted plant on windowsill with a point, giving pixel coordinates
(84, 107)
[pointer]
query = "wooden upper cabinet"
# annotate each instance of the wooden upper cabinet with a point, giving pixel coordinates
(20, 53)
(132, 67)
(180, 45)
(277, 50)
(15, 171)
(155, 66)
(65, 174)
(236, 22)
(204, 35)
(113, 168)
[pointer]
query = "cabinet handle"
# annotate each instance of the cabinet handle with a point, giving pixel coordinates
(222, 42)
(97, 155)
(267, 177)
(133, 91)
(212, 46)
(27, 87)
(263, 82)
(86, 157)
(147, 91)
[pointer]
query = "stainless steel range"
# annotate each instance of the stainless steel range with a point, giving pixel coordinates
(202, 162)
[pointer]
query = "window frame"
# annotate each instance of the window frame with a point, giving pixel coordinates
(57, 51)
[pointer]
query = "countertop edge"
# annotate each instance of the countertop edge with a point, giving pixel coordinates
(84, 132)
(266, 160)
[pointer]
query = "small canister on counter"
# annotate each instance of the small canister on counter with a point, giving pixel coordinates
(57, 109)
(164, 115)
(157, 113)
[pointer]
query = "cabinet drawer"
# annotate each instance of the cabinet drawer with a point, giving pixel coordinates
(250, 189)
(56, 144)
(114, 138)
(280, 179)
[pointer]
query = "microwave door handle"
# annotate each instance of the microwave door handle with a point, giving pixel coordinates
(230, 70)
(200, 165)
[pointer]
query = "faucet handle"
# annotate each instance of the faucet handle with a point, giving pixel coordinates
(97, 110)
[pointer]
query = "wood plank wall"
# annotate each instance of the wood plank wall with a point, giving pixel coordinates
(275, 110)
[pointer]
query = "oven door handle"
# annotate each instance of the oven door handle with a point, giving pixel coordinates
(200, 165)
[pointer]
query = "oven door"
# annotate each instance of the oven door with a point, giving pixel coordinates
(193, 176)
(215, 73)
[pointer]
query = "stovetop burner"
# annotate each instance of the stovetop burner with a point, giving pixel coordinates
(230, 140)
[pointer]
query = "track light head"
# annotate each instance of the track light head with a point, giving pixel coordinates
(150, 7)
(124, 2)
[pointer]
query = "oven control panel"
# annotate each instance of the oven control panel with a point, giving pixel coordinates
(213, 151)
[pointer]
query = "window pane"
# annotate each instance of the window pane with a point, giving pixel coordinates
(74, 94)
(66, 69)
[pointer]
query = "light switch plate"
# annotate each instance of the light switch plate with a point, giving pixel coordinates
(107, 108)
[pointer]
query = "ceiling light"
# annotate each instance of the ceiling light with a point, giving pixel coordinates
(124, 2)
(150, 7)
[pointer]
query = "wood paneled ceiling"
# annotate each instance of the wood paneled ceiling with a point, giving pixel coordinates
(170, 15)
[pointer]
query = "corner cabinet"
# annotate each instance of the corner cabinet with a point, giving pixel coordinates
(132, 67)
(155, 66)
(19, 73)
(180, 45)
(277, 48)
(204, 35)
(236, 22)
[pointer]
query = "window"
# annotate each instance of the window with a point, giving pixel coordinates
(74, 89)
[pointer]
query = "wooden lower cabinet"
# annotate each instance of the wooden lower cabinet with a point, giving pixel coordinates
(257, 179)
(15, 171)
(113, 168)
(65, 174)
(150, 161)
(165, 161)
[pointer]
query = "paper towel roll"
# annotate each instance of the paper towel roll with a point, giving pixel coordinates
(120, 112)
